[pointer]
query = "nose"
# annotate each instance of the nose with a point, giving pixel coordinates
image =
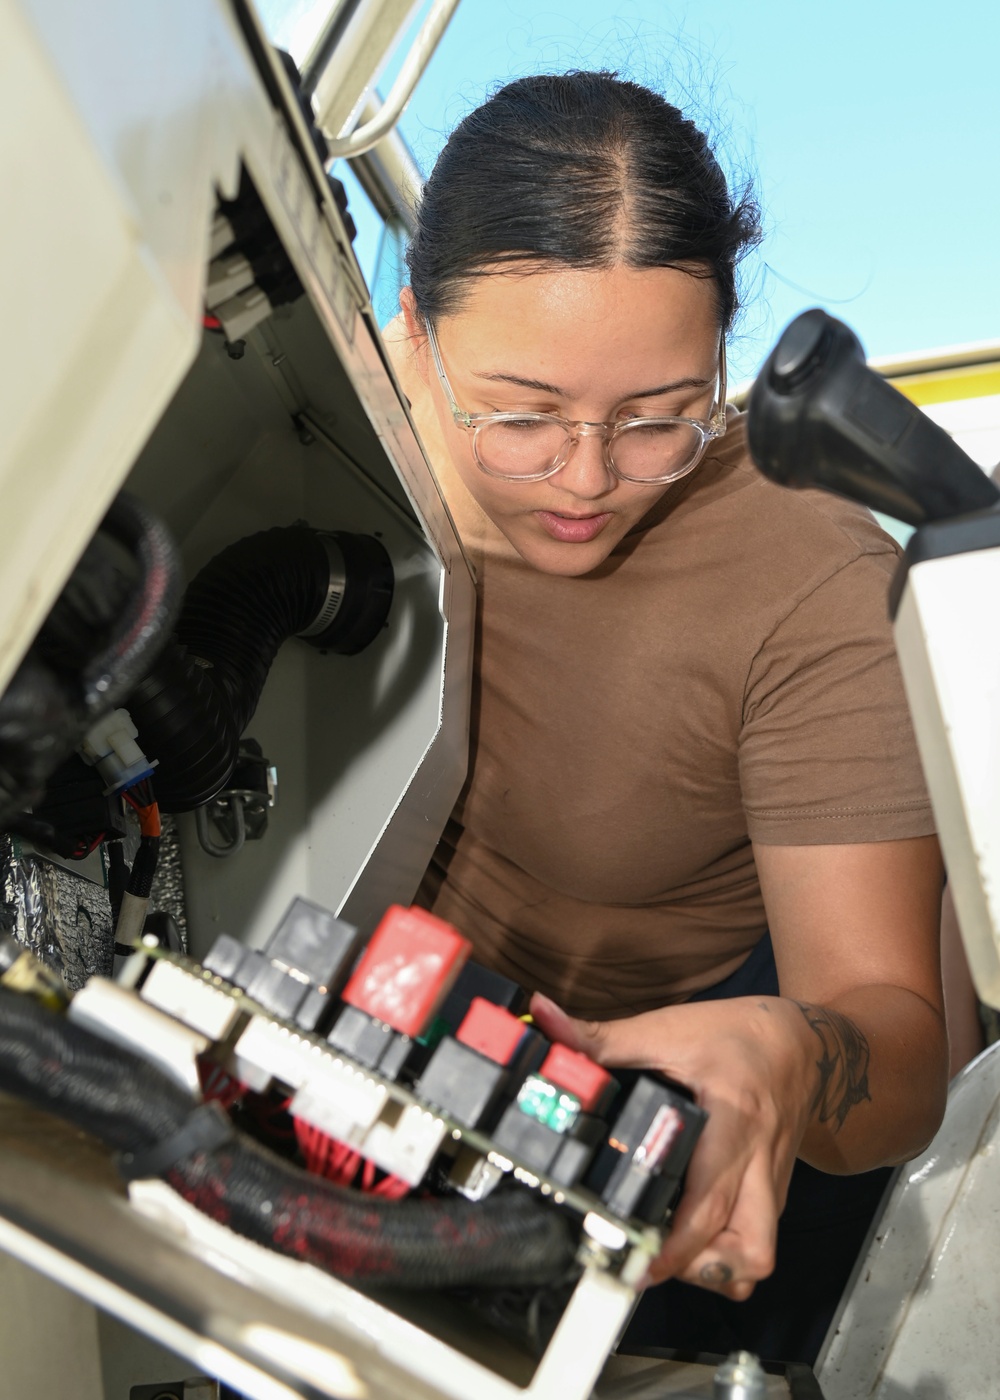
(586, 474)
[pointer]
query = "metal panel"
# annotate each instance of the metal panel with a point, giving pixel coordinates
(919, 1321)
(951, 671)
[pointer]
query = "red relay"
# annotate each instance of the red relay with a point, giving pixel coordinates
(577, 1075)
(407, 969)
(492, 1030)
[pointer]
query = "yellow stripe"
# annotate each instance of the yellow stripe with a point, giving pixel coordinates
(946, 386)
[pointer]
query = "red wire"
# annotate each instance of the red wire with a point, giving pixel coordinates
(393, 1187)
(218, 1084)
(327, 1156)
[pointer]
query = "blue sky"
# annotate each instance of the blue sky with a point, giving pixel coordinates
(871, 131)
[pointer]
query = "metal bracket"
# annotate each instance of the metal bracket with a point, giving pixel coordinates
(239, 812)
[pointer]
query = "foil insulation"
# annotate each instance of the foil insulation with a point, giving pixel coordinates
(65, 918)
(62, 917)
(168, 882)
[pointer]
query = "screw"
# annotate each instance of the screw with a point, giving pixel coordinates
(740, 1377)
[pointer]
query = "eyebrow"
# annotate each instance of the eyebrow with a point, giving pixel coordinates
(544, 388)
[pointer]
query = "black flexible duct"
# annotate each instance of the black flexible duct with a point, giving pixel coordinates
(100, 637)
(509, 1240)
(196, 702)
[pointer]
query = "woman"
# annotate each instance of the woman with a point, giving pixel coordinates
(689, 738)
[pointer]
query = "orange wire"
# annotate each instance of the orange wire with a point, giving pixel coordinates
(149, 816)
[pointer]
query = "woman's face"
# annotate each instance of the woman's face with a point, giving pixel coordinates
(587, 346)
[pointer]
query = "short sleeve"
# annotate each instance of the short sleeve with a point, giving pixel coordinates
(827, 751)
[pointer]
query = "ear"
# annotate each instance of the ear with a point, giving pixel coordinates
(416, 332)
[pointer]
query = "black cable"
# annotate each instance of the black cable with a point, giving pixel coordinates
(40, 833)
(144, 626)
(118, 875)
(56, 1065)
(140, 881)
(101, 636)
(508, 1240)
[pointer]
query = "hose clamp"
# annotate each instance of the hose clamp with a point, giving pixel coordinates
(334, 589)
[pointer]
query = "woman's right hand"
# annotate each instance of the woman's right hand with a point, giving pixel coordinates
(749, 1064)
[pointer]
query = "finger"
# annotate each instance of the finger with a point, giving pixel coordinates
(553, 1022)
(711, 1190)
(632, 1041)
(744, 1252)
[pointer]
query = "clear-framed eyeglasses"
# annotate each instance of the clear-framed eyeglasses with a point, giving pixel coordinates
(533, 446)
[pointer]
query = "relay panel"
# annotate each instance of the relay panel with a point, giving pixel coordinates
(386, 1113)
(405, 1067)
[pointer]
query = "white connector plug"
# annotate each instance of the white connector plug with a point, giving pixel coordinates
(110, 747)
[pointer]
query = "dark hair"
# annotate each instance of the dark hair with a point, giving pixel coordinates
(581, 169)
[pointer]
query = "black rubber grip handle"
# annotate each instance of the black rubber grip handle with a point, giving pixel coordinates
(818, 416)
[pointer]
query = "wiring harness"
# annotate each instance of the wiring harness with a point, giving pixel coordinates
(510, 1240)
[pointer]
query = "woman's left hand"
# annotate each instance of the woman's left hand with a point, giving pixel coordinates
(747, 1060)
(852, 1074)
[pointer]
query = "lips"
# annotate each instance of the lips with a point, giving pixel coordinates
(572, 529)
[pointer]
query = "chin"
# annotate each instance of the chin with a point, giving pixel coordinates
(565, 560)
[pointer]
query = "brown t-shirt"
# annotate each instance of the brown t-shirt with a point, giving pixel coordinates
(726, 676)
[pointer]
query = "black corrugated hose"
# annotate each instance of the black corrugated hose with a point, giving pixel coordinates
(193, 707)
(508, 1240)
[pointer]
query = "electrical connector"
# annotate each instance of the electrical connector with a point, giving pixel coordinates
(491, 1030)
(304, 963)
(362, 1037)
(473, 981)
(653, 1139)
(411, 961)
(462, 1082)
(279, 991)
(110, 747)
(199, 1004)
(405, 1143)
(580, 1076)
(536, 1144)
(547, 1103)
(577, 1150)
(315, 943)
(314, 1009)
(225, 958)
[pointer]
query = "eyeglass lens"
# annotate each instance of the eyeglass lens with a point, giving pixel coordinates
(529, 446)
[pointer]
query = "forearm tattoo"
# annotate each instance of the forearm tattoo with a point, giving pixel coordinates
(842, 1064)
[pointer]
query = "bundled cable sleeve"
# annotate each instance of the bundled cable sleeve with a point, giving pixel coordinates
(67, 1069)
(146, 622)
(38, 726)
(140, 881)
(118, 874)
(61, 688)
(508, 1240)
